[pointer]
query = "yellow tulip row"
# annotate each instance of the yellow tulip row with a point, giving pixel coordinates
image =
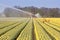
(10, 32)
(30, 29)
(52, 31)
(26, 34)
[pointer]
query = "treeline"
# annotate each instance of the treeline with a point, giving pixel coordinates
(44, 12)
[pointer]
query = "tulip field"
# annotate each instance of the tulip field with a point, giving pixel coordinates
(29, 28)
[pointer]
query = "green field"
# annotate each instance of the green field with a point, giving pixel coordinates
(29, 28)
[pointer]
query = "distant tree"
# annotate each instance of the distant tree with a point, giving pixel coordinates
(44, 12)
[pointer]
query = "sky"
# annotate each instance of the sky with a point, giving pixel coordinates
(36, 3)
